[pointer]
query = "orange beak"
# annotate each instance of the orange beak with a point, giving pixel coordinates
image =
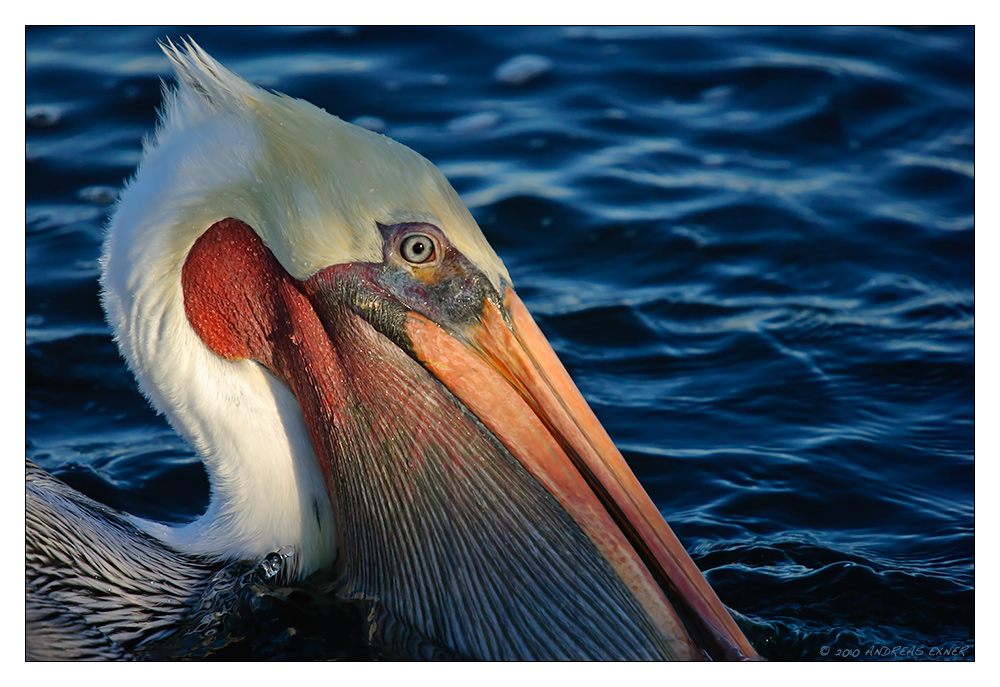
(507, 374)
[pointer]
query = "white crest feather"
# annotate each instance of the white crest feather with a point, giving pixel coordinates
(311, 185)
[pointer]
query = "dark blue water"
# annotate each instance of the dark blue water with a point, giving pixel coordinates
(753, 249)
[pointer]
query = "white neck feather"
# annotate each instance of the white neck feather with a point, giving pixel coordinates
(267, 489)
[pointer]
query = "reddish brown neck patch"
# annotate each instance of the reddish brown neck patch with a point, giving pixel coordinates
(231, 286)
(243, 304)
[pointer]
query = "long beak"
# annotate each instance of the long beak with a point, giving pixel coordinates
(504, 370)
(488, 509)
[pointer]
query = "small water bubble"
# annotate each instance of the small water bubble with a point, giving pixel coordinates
(477, 121)
(42, 116)
(273, 562)
(520, 70)
(271, 565)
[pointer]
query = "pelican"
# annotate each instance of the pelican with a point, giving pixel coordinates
(314, 309)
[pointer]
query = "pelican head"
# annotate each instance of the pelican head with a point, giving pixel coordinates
(315, 310)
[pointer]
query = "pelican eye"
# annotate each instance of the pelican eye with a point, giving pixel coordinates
(417, 249)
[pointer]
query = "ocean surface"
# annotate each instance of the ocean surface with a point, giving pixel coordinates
(752, 248)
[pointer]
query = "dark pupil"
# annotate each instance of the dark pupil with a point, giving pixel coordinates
(417, 249)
